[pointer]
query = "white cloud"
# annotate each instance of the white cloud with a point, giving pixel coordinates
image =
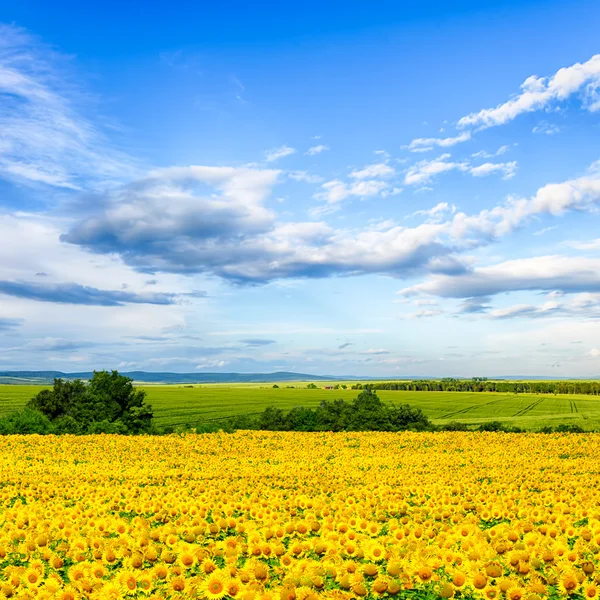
(304, 176)
(436, 211)
(538, 93)
(425, 170)
(336, 191)
(507, 169)
(594, 353)
(541, 273)
(44, 138)
(547, 128)
(316, 150)
(382, 170)
(590, 245)
(425, 144)
(277, 153)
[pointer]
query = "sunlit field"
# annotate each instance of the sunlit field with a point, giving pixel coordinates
(190, 406)
(271, 516)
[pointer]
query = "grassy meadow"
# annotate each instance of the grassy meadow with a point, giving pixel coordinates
(179, 406)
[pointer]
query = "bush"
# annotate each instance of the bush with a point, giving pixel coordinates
(365, 413)
(546, 429)
(564, 428)
(24, 422)
(454, 426)
(491, 426)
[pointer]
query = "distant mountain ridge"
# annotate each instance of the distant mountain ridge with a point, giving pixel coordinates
(145, 377)
(44, 377)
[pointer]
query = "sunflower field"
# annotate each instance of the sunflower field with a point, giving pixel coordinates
(286, 516)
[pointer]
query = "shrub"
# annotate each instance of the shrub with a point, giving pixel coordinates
(454, 426)
(24, 422)
(569, 428)
(365, 413)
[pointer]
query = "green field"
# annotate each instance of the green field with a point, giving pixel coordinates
(178, 405)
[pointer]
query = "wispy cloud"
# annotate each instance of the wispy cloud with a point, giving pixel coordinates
(277, 153)
(425, 144)
(316, 150)
(44, 137)
(73, 293)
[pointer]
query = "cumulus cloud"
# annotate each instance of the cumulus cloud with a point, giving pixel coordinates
(543, 273)
(316, 150)
(72, 293)
(44, 137)
(213, 220)
(169, 222)
(277, 153)
(425, 144)
(538, 93)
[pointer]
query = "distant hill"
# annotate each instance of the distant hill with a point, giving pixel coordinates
(142, 376)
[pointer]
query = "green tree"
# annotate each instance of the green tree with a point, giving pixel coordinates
(107, 398)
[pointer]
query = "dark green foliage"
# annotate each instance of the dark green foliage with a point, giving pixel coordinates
(564, 428)
(108, 403)
(482, 384)
(454, 426)
(491, 426)
(498, 426)
(272, 419)
(311, 386)
(366, 413)
(25, 421)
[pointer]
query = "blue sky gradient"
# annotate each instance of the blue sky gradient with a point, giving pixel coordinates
(407, 189)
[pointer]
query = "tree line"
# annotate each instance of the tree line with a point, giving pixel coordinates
(481, 384)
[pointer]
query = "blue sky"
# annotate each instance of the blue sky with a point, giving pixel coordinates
(407, 189)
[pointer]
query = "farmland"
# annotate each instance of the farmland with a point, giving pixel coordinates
(270, 516)
(181, 406)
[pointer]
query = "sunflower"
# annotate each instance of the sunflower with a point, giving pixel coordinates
(68, 593)
(145, 583)
(568, 583)
(590, 591)
(214, 586)
(160, 571)
(128, 581)
(32, 578)
(233, 587)
(111, 591)
(376, 552)
(208, 565)
(177, 584)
